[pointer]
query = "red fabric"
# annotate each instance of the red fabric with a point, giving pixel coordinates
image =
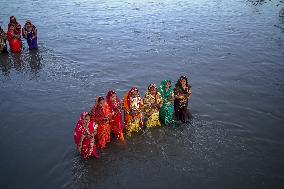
(99, 114)
(116, 119)
(15, 44)
(84, 139)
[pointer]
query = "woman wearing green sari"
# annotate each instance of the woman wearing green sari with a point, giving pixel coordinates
(167, 110)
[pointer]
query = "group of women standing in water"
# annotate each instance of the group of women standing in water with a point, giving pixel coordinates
(13, 36)
(160, 106)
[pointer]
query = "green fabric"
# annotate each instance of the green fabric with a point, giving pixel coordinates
(167, 110)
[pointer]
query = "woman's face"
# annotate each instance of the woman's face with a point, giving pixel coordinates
(28, 24)
(13, 20)
(183, 82)
(153, 90)
(101, 103)
(113, 97)
(87, 118)
(168, 85)
(134, 94)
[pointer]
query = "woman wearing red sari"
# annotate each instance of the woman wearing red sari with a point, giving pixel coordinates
(84, 136)
(14, 40)
(14, 35)
(101, 115)
(116, 124)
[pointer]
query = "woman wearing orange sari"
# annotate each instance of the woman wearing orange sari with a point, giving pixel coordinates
(116, 124)
(101, 115)
(132, 104)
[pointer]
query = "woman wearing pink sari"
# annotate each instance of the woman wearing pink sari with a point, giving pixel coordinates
(115, 107)
(101, 115)
(84, 136)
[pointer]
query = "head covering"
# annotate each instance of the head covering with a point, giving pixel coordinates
(162, 89)
(132, 90)
(11, 17)
(151, 86)
(163, 84)
(83, 115)
(130, 93)
(109, 94)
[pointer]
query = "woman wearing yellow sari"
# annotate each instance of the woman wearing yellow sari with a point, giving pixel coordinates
(132, 104)
(152, 104)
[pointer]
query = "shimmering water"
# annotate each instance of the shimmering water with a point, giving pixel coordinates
(232, 52)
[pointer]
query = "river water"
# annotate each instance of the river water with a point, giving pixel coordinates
(231, 50)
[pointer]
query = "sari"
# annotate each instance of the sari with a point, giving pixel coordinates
(29, 32)
(101, 116)
(167, 110)
(3, 37)
(181, 101)
(116, 116)
(152, 105)
(132, 111)
(14, 41)
(84, 137)
(14, 35)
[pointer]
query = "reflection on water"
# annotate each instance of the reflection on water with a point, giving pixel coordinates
(258, 2)
(30, 61)
(281, 15)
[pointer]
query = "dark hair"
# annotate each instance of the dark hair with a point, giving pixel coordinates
(100, 99)
(14, 18)
(111, 92)
(183, 77)
(152, 85)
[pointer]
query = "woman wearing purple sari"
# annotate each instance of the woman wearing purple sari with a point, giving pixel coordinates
(29, 32)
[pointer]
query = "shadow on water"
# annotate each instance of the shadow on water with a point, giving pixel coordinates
(30, 61)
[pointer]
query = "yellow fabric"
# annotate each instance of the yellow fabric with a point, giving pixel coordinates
(152, 114)
(153, 120)
(1, 44)
(133, 123)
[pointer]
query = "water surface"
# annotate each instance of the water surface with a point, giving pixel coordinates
(232, 52)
